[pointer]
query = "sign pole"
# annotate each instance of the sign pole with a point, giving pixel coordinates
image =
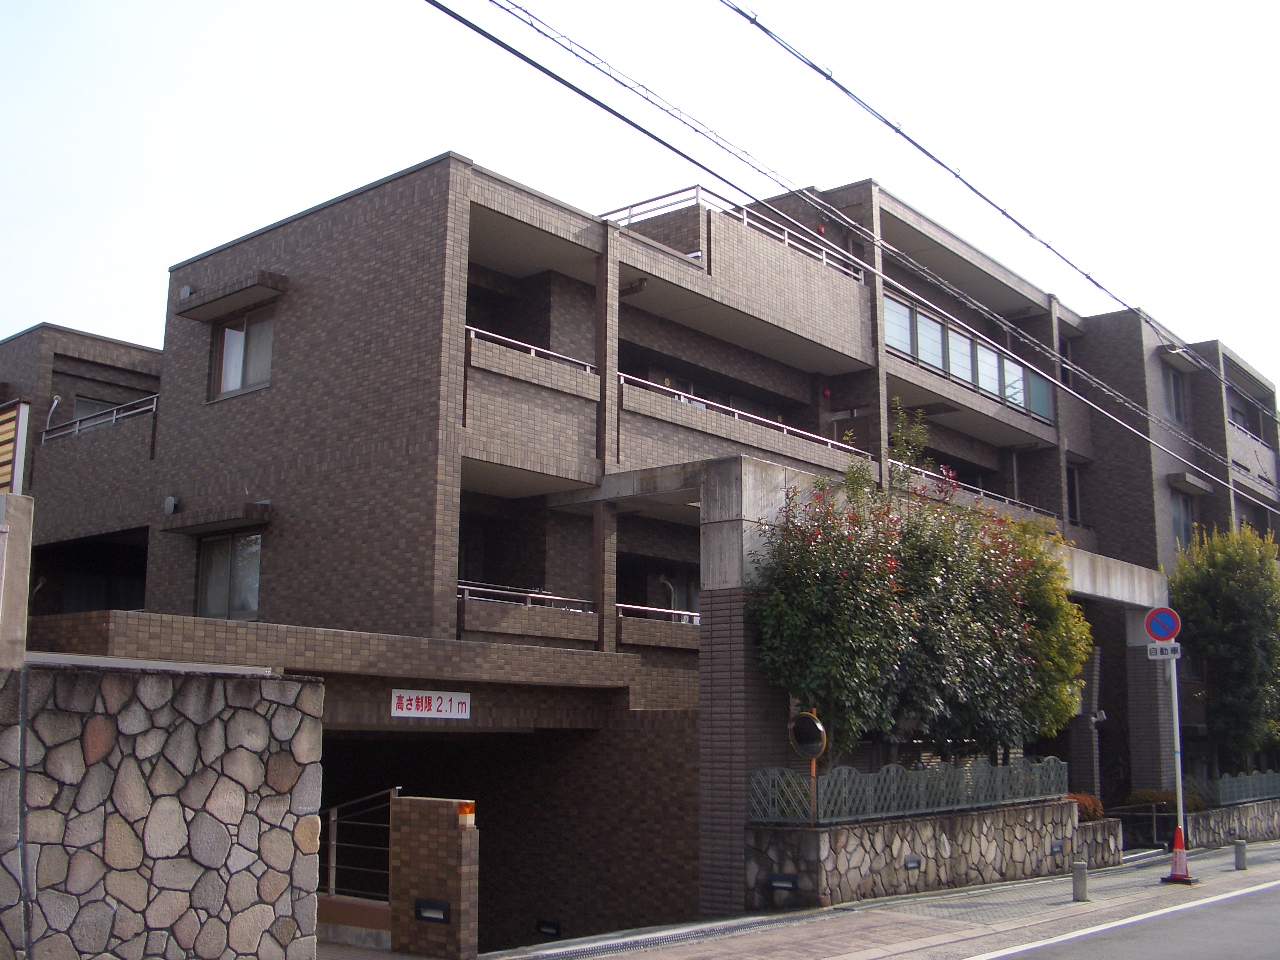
(1177, 744)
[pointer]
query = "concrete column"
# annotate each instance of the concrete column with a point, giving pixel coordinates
(605, 572)
(434, 858)
(875, 285)
(607, 351)
(1150, 711)
(742, 718)
(15, 577)
(1084, 769)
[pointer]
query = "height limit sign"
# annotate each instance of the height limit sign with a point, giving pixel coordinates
(1162, 626)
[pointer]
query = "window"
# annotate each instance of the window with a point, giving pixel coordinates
(988, 370)
(1175, 400)
(1244, 413)
(929, 340)
(960, 356)
(1014, 384)
(1039, 395)
(1073, 494)
(86, 407)
(228, 588)
(242, 354)
(897, 325)
(1184, 518)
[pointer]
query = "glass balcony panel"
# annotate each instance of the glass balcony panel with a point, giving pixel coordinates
(960, 356)
(1039, 395)
(929, 341)
(988, 370)
(1015, 390)
(897, 325)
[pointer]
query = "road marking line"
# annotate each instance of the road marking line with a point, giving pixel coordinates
(1014, 951)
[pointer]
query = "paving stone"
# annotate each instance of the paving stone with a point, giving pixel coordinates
(307, 743)
(213, 741)
(129, 887)
(248, 832)
(51, 868)
(94, 788)
(240, 858)
(247, 729)
(75, 692)
(243, 767)
(164, 779)
(116, 689)
(181, 750)
(56, 947)
(54, 727)
(128, 923)
(276, 848)
(65, 799)
(212, 939)
(84, 871)
(242, 892)
(92, 928)
(200, 699)
(149, 744)
(243, 693)
(65, 763)
(284, 929)
(282, 772)
(60, 909)
(11, 747)
(165, 832)
(84, 829)
(247, 928)
(154, 690)
(185, 929)
(304, 911)
(11, 921)
(226, 801)
(304, 948)
(209, 893)
(271, 884)
(269, 948)
(196, 792)
(157, 940)
(311, 699)
(40, 789)
(132, 949)
(305, 798)
(284, 904)
(281, 691)
(45, 826)
(210, 840)
(133, 719)
(130, 793)
(306, 872)
(164, 717)
(273, 809)
(306, 833)
(121, 847)
(9, 891)
(167, 907)
(176, 873)
(285, 723)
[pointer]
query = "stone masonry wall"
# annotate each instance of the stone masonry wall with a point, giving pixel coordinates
(1100, 843)
(842, 864)
(1244, 821)
(166, 815)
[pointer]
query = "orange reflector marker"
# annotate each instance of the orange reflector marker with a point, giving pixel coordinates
(466, 807)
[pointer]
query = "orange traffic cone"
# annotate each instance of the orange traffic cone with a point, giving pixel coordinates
(1178, 872)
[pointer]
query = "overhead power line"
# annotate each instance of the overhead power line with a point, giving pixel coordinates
(920, 269)
(827, 74)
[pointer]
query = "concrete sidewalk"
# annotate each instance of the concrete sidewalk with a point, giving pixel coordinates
(948, 925)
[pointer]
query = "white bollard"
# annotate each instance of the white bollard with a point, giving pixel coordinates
(1080, 882)
(1242, 854)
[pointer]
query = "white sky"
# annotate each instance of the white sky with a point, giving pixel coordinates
(1139, 138)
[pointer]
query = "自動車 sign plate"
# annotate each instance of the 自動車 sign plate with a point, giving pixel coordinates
(1164, 651)
(431, 704)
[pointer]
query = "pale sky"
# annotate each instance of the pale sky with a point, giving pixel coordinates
(1137, 137)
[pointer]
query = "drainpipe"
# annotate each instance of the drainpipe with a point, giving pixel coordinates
(24, 884)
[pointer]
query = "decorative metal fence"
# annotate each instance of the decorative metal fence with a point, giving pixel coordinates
(1227, 789)
(845, 794)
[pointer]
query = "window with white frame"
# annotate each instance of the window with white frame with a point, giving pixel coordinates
(242, 354)
(228, 581)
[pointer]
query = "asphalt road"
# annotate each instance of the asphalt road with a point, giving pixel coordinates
(1244, 927)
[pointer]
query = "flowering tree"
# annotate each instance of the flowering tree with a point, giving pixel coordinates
(899, 615)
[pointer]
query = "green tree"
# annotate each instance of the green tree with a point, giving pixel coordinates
(1226, 588)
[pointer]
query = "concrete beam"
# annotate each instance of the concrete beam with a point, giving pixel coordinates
(1103, 578)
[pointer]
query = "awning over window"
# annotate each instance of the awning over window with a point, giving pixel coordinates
(235, 296)
(219, 519)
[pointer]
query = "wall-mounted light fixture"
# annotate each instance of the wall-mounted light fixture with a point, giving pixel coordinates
(1055, 848)
(547, 928)
(782, 881)
(631, 289)
(171, 506)
(911, 861)
(432, 911)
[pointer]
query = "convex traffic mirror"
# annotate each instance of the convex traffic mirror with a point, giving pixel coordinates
(808, 736)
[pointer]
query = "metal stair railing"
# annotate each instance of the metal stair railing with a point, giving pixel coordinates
(355, 840)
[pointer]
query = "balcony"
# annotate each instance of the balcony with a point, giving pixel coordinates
(534, 616)
(658, 627)
(1253, 461)
(101, 419)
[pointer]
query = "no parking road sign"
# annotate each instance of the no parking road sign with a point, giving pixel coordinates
(1162, 624)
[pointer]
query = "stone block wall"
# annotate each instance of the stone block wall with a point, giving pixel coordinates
(842, 864)
(1100, 843)
(166, 815)
(1254, 822)
(435, 856)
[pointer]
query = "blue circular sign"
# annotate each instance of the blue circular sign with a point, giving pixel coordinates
(1162, 624)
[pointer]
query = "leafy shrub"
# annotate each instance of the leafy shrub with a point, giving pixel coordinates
(1090, 807)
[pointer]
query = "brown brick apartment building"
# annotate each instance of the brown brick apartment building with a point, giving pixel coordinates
(445, 433)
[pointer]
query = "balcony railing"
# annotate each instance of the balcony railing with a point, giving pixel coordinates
(794, 234)
(475, 333)
(697, 401)
(101, 419)
(493, 593)
(658, 613)
(936, 478)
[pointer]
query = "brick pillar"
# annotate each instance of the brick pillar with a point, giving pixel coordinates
(15, 574)
(1083, 770)
(434, 857)
(1150, 711)
(607, 351)
(742, 719)
(605, 573)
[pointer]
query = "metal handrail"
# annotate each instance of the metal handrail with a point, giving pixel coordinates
(666, 613)
(471, 590)
(476, 333)
(102, 418)
(1249, 433)
(690, 398)
(803, 239)
(329, 818)
(977, 491)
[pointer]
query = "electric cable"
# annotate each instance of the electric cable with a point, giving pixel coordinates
(548, 72)
(828, 75)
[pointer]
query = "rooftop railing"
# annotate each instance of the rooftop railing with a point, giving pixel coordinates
(696, 401)
(475, 333)
(493, 593)
(794, 235)
(100, 419)
(658, 613)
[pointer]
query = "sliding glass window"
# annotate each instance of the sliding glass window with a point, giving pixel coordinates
(897, 325)
(959, 356)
